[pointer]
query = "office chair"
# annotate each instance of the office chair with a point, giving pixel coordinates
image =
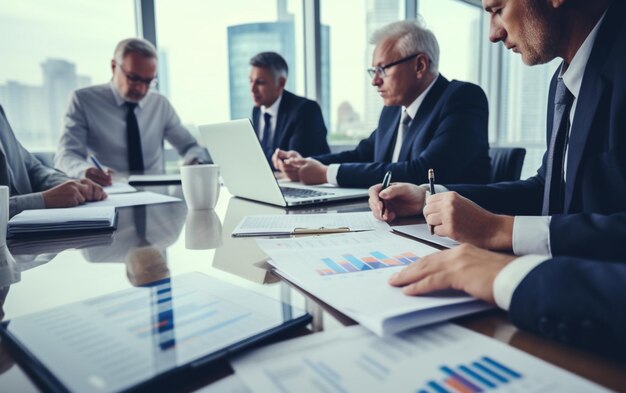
(506, 163)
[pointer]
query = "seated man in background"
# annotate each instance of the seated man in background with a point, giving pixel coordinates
(576, 301)
(427, 122)
(31, 184)
(576, 203)
(281, 119)
(123, 123)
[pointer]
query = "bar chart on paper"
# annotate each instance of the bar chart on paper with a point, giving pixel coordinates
(349, 263)
(477, 376)
(435, 359)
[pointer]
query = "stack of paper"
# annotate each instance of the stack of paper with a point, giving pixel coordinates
(274, 225)
(445, 358)
(422, 232)
(350, 271)
(61, 220)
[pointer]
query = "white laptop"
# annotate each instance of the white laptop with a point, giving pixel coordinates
(235, 147)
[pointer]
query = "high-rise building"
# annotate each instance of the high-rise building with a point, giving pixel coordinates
(379, 13)
(27, 111)
(59, 81)
(245, 41)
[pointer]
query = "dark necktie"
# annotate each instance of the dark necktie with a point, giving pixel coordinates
(554, 187)
(266, 140)
(133, 140)
(406, 120)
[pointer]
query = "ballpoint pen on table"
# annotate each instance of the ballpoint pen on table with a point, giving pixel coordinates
(386, 182)
(431, 183)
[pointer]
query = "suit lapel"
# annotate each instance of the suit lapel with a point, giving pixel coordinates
(384, 149)
(423, 115)
(283, 111)
(255, 119)
(592, 90)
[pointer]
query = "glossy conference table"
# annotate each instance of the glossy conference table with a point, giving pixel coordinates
(51, 273)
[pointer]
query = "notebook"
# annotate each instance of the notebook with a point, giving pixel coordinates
(145, 338)
(40, 221)
(247, 174)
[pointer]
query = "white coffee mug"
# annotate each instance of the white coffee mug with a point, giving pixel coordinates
(4, 214)
(201, 186)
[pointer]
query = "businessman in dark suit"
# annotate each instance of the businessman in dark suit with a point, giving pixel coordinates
(33, 185)
(576, 204)
(283, 120)
(576, 301)
(427, 121)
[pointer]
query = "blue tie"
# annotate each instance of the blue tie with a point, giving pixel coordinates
(266, 141)
(554, 187)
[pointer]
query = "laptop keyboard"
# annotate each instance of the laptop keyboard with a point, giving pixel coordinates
(302, 192)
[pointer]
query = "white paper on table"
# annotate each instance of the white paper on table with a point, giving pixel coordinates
(132, 199)
(259, 225)
(355, 360)
(119, 188)
(156, 178)
(364, 295)
(422, 231)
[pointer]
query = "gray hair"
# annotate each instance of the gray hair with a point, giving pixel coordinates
(273, 61)
(410, 37)
(134, 45)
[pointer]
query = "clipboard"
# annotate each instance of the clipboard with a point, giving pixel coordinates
(307, 224)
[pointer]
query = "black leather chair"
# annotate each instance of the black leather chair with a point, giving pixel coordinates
(506, 163)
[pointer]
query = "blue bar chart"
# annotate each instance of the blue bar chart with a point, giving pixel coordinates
(481, 375)
(349, 263)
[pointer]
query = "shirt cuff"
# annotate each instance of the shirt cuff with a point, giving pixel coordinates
(531, 235)
(510, 277)
(19, 203)
(331, 173)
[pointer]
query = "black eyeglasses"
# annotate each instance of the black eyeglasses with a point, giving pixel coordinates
(380, 70)
(132, 78)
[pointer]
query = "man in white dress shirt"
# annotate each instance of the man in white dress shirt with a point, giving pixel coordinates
(123, 123)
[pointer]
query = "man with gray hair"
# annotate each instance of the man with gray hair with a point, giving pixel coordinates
(283, 120)
(123, 123)
(427, 122)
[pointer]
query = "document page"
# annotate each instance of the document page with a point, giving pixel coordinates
(443, 358)
(131, 199)
(294, 223)
(119, 188)
(350, 272)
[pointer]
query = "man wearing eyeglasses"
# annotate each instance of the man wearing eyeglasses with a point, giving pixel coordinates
(427, 121)
(122, 124)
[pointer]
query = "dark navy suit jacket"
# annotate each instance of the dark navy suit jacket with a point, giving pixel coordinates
(595, 195)
(300, 126)
(448, 134)
(576, 301)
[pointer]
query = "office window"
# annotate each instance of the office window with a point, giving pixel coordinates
(354, 103)
(523, 108)
(49, 49)
(457, 27)
(205, 49)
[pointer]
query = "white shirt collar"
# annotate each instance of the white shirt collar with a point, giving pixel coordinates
(415, 105)
(119, 100)
(573, 75)
(272, 109)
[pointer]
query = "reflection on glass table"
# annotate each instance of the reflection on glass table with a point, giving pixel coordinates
(140, 226)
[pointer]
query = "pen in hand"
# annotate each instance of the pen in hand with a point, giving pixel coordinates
(386, 181)
(97, 163)
(431, 182)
